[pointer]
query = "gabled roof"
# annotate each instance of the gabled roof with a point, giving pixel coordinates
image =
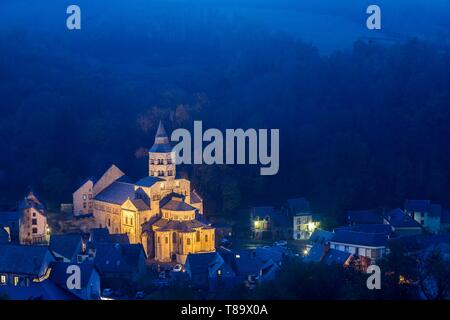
(102, 235)
(399, 219)
(321, 236)
(357, 238)
(148, 181)
(140, 204)
(31, 200)
(118, 258)
(66, 245)
(364, 217)
(116, 193)
(22, 259)
(59, 275)
(199, 262)
(417, 205)
(322, 253)
(299, 205)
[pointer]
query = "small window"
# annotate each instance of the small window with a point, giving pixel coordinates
(188, 241)
(166, 239)
(34, 231)
(197, 236)
(206, 238)
(84, 197)
(2, 279)
(34, 222)
(109, 222)
(159, 239)
(174, 237)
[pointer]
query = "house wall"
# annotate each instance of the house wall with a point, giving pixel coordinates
(369, 252)
(107, 215)
(32, 227)
(83, 202)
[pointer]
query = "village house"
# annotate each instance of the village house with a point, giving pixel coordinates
(33, 227)
(66, 247)
(161, 211)
(304, 221)
(426, 213)
(89, 282)
(401, 223)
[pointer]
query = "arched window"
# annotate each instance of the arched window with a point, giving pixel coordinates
(174, 237)
(188, 241)
(197, 236)
(206, 238)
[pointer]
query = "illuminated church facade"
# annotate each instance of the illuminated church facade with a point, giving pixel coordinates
(161, 211)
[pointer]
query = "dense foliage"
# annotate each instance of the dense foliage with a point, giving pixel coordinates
(366, 127)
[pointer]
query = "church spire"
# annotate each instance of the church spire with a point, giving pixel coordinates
(161, 157)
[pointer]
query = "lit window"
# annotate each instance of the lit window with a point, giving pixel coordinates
(16, 280)
(3, 279)
(84, 197)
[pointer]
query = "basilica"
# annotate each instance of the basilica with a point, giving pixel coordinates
(161, 210)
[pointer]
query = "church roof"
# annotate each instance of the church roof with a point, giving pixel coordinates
(140, 205)
(162, 143)
(148, 181)
(195, 198)
(177, 205)
(116, 193)
(183, 226)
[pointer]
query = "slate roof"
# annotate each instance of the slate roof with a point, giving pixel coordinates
(148, 181)
(140, 205)
(116, 193)
(299, 205)
(320, 253)
(32, 201)
(45, 290)
(360, 238)
(21, 259)
(118, 258)
(58, 274)
(399, 219)
(369, 228)
(364, 217)
(4, 236)
(177, 205)
(66, 245)
(417, 205)
(321, 236)
(195, 198)
(102, 235)
(162, 143)
(184, 226)
(199, 262)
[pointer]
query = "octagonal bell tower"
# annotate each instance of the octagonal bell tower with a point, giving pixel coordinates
(161, 156)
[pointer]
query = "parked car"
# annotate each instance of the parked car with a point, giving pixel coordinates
(177, 268)
(107, 292)
(140, 295)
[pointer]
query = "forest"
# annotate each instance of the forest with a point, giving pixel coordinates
(361, 127)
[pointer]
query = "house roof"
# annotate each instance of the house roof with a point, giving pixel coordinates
(321, 253)
(360, 238)
(66, 245)
(46, 290)
(31, 200)
(4, 236)
(321, 236)
(102, 235)
(299, 205)
(199, 262)
(369, 228)
(364, 217)
(59, 274)
(116, 193)
(117, 258)
(21, 259)
(148, 181)
(399, 219)
(417, 205)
